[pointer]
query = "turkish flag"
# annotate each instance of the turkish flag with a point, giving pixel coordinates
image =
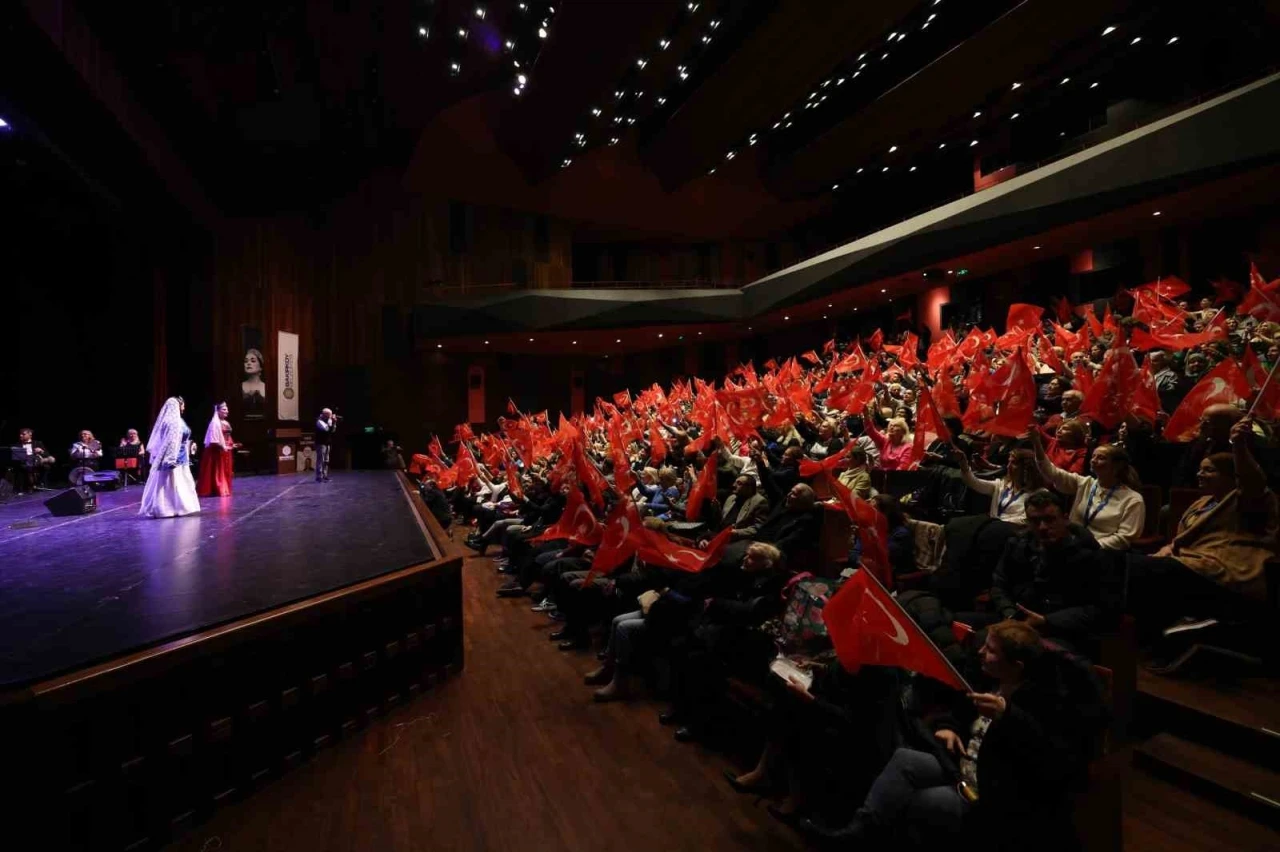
(944, 395)
(1119, 390)
(1071, 342)
(1091, 317)
(704, 487)
(1049, 357)
(513, 482)
(1226, 290)
(939, 351)
(618, 539)
(588, 473)
(1263, 300)
(812, 357)
(869, 628)
(876, 340)
(658, 550)
(511, 406)
(1144, 340)
(1165, 288)
(435, 449)
(1253, 369)
(576, 523)
(1004, 403)
(623, 479)
(1224, 384)
(1083, 378)
(462, 432)
(657, 446)
(929, 426)
(465, 468)
(809, 467)
(1023, 317)
(622, 399)
(1063, 309)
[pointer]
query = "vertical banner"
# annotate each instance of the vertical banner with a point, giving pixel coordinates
(287, 375)
(475, 394)
(253, 388)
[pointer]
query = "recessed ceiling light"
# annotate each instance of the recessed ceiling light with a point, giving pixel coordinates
(885, 169)
(859, 171)
(1017, 86)
(1014, 116)
(835, 186)
(912, 169)
(941, 146)
(619, 340)
(480, 12)
(509, 44)
(882, 290)
(659, 334)
(1157, 213)
(699, 334)
(824, 316)
(663, 44)
(1173, 40)
(439, 345)
(1065, 81)
(950, 271)
(530, 339)
(977, 113)
(974, 142)
(486, 343)
(521, 79)
(542, 32)
(575, 343)
(1136, 39)
(1108, 31)
(892, 148)
(1037, 248)
(1093, 85)
(786, 318)
(828, 304)
(422, 31)
(462, 32)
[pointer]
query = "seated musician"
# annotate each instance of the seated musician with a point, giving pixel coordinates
(131, 439)
(87, 451)
(32, 463)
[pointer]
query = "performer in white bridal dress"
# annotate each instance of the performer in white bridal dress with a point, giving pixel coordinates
(170, 489)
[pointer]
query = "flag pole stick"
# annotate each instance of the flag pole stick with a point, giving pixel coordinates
(905, 614)
(1262, 390)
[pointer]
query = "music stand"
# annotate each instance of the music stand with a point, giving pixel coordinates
(19, 460)
(127, 458)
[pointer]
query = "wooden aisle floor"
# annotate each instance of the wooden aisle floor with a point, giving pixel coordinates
(510, 755)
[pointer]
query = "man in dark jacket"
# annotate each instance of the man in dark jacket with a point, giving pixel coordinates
(791, 527)
(1051, 575)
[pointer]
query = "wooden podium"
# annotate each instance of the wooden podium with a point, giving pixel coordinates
(286, 441)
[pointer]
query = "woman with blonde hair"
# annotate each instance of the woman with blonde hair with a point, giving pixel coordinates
(894, 444)
(1008, 495)
(1108, 503)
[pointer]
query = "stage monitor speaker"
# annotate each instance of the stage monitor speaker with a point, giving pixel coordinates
(74, 501)
(102, 480)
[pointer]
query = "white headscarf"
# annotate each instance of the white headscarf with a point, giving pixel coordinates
(214, 434)
(166, 435)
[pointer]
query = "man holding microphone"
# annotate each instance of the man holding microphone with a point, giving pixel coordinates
(325, 424)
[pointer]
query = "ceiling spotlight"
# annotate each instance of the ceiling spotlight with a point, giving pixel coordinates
(1108, 31)
(885, 169)
(835, 186)
(706, 39)
(575, 343)
(950, 271)
(1037, 248)
(521, 79)
(516, 63)
(977, 113)
(699, 334)
(530, 339)
(828, 304)
(973, 143)
(713, 171)
(892, 148)
(1173, 40)
(566, 163)
(786, 318)
(883, 290)
(486, 343)
(1017, 86)
(1014, 116)
(1093, 85)
(661, 101)
(824, 316)
(595, 111)
(943, 145)
(912, 169)
(462, 32)
(1136, 39)
(752, 140)
(641, 62)
(693, 7)
(663, 44)
(613, 140)
(480, 12)
(631, 121)
(840, 82)
(1157, 213)
(542, 32)
(517, 91)
(715, 24)
(1065, 81)
(859, 171)
(524, 7)
(509, 44)
(730, 155)
(659, 334)
(454, 68)
(619, 340)
(422, 31)
(439, 345)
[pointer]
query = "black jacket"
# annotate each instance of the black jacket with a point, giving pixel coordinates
(1033, 756)
(790, 532)
(1062, 582)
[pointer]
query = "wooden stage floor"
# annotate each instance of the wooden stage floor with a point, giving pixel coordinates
(78, 590)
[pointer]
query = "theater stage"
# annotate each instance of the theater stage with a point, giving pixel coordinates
(79, 590)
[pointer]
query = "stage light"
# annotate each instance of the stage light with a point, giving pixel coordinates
(619, 340)
(663, 44)
(661, 101)
(1037, 248)
(462, 32)
(1093, 85)
(912, 169)
(613, 140)
(1173, 40)
(859, 171)
(1017, 86)
(835, 186)
(943, 145)
(566, 163)
(973, 143)
(977, 113)
(786, 318)
(1108, 31)
(1065, 81)
(595, 111)
(422, 31)
(1136, 39)
(454, 68)
(439, 345)
(1014, 117)
(542, 32)
(892, 148)
(521, 79)
(1157, 213)
(659, 334)
(885, 169)
(480, 12)
(509, 44)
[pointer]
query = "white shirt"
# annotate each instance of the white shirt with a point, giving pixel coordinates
(1114, 515)
(1007, 503)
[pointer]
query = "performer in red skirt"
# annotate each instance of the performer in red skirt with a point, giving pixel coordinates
(216, 465)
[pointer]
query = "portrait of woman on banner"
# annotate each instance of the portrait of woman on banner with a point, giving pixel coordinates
(254, 389)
